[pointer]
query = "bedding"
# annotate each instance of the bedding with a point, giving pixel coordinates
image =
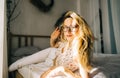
(108, 63)
(35, 70)
(44, 57)
(21, 46)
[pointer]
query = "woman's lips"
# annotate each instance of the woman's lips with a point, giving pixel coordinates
(69, 35)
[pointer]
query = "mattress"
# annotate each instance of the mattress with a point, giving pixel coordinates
(109, 64)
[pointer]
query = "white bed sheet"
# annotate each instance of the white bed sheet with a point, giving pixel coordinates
(109, 64)
(35, 70)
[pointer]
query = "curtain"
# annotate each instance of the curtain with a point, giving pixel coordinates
(110, 25)
(89, 10)
(115, 17)
(104, 19)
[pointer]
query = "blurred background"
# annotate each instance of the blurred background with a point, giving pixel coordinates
(38, 17)
(33, 18)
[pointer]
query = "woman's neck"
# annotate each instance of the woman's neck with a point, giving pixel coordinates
(68, 45)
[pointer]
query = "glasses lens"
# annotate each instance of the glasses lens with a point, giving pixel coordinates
(69, 28)
(66, 28)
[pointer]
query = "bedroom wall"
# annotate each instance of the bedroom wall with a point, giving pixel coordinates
(32, 21)
(35, 22)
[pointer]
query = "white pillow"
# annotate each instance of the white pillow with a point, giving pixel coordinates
(34, 58)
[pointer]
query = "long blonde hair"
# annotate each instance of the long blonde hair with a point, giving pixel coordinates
(84, 42)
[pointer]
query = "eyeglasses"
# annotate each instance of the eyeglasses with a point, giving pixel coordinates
(69, 28)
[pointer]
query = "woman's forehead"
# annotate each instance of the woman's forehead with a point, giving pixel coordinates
(69, 22)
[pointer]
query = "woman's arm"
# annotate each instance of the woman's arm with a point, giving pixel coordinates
(83, 72)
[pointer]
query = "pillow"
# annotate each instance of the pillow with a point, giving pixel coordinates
(25, 51)
(31, 59)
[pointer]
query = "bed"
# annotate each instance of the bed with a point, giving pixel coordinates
(33, 66)
(25, 45)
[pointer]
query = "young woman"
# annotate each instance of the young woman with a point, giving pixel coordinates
(74, 41)
(73, 57)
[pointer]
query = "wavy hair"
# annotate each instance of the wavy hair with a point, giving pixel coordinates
(83, 44)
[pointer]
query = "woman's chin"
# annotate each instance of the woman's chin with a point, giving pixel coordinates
(69, 39)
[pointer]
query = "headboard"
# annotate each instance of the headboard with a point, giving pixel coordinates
(28, 39)
(22, 41)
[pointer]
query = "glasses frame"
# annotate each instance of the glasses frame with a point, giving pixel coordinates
(70, 28)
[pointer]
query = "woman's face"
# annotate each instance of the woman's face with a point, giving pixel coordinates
(70, 29)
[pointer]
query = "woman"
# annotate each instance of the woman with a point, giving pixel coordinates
(73, 57)
(74, 42)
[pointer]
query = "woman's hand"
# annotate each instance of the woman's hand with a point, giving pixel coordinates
(54, 36)
(59, 71)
